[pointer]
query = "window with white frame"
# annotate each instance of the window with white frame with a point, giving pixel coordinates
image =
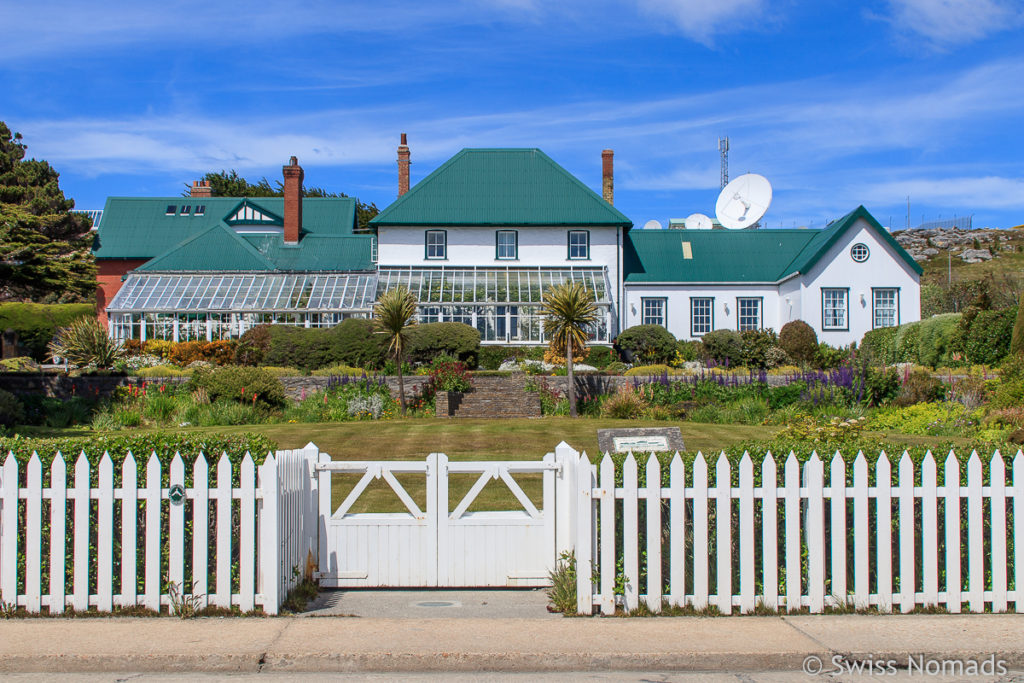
(885, 307)
(507, 245)
(702, 315)
(579, 244)
(748, 313)
(835, 309)
(436, 244)
(653, 311)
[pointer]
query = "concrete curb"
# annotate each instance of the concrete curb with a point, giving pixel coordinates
(378, 645)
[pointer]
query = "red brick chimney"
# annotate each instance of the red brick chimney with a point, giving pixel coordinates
(403, 167)
(292, 201)
(201, 188)
(607, 176)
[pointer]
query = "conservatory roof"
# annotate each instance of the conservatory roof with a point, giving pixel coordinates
(490, 285)
(246, 292)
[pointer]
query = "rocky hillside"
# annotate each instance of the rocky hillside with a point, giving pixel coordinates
(970, 246)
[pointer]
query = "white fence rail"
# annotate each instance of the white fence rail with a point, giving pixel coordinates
(217, 543)
(797, 539)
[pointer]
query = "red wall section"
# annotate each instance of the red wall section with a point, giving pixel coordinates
(109, 280)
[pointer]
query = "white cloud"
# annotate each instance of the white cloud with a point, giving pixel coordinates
(701, 20)
(953, 22)
(819, 141)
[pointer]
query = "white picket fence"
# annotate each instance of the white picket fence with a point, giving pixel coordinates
(275, 505)
(825, 544)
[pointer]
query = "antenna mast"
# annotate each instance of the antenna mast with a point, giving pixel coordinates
(723, 148)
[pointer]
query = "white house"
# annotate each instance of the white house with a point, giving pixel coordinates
(844, 280)
(482, 237)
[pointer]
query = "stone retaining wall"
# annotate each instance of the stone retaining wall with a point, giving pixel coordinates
(59, 385)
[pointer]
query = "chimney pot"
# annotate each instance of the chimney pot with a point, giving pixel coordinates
(607, 176)
(403, 166)
(293, 176)
(200, 188)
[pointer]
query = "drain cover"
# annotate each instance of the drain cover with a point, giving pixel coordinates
(435, 603)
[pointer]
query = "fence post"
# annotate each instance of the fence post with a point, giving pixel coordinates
(584, 536)
(565, 498)
(9, 531)
(269, 541)
(269, 544)
(311, 503)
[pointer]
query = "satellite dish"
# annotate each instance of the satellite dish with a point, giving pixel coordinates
(652, 225)
(698, 221)
(743, 201)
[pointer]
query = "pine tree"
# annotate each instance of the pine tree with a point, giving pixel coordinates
(45, 251)
(230, 184)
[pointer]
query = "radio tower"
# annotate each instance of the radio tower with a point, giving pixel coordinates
(723, 148)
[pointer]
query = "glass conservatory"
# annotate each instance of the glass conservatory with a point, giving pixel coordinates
(203, 306)
(504, 304)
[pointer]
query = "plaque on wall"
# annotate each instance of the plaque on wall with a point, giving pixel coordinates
(640, 440)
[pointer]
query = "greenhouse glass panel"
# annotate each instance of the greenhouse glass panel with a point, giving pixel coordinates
(489, 285)
(270, 292)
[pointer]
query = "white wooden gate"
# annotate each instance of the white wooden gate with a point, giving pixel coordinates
(436, 546)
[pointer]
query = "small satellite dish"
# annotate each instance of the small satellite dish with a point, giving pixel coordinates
(743, 201)
(652, 225)
(698, 221)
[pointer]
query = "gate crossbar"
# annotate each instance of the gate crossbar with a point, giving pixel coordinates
(377, 470)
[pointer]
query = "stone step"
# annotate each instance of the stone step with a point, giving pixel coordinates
(490, 403)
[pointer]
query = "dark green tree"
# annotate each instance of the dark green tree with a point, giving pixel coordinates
(230, 184)
(45, 251)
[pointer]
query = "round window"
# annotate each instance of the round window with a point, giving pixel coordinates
(859, 253)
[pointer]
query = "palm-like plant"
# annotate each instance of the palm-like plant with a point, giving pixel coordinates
(393, 315)
(568, 310)
(86, 342)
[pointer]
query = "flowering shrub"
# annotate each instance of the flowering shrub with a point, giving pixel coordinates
(366, 407)
(626, 403)
(811, 430)
(448, 374)
(936, 419)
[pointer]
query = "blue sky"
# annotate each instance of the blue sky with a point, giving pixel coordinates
(837, 103)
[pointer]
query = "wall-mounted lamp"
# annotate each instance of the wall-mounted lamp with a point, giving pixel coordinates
(863, 299)
(725, 307)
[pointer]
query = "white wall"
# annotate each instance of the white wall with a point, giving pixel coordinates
(883, 268)
(475, 246)
(798, 298)
(678, 296)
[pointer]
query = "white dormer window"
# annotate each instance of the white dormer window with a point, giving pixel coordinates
(185, 210)
(200, 210)
(171, 209)
(248, 213)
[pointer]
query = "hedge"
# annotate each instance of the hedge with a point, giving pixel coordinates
(458, 340)
(985, 335)
(36, 324)
(308, 349)
(930, 342)
(164, 444)
(358, 345)
(651, 344)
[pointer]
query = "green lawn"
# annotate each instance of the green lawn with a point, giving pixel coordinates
(516, 439)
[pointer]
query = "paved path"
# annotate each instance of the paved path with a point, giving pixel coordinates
(381, 645)
(425, 604)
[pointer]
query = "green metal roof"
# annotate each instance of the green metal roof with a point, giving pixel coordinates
(738, 255)
(216, 248)
(139, 227)
(316, 252)
(500, 187)
(221, 249)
